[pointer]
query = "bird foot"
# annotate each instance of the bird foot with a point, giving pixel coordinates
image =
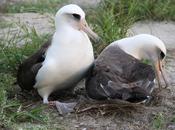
(52, 103)
(63, 108)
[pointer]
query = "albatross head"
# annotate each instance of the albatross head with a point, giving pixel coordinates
(157, 56)
(154, 50)
(146, 47)
(72, 15)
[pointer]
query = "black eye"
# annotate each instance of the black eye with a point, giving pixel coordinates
(162, 55)
(76, 16)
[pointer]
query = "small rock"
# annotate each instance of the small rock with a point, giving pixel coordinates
(76, 126)
(171, 127)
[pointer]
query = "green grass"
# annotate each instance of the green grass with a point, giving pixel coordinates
(161, 121)
(11, 55)
(173, 119)
(5, 24)
(11, 109)
(158, 121)
(137, 9)
(40, 6)
(150, 9)
(110, 20)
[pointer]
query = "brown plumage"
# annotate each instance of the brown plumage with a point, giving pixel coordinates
(28, 69)
(117, 75)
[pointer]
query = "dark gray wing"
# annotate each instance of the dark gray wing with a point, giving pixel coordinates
(29, 68)
(117, 75)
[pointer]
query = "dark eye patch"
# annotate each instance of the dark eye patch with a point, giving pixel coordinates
(162, 55)
(76, 16)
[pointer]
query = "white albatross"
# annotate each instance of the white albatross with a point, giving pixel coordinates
(70, 55)
(65, 60)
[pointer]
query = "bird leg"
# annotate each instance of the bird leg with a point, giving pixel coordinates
(45, 100)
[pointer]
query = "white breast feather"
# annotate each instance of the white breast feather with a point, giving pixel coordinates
(65, 59)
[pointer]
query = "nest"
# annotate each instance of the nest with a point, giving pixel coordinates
(108, 107)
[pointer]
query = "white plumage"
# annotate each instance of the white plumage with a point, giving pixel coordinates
(141, 45)
(70, 55)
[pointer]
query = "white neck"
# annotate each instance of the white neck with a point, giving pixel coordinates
(141, 46)
(69, 41)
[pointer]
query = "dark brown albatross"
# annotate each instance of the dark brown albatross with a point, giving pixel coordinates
(119, 73)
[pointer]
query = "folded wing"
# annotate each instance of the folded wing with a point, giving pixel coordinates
(117, 75)
(29, 68)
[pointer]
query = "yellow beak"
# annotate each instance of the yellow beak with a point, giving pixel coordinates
(84, 26)
(160, 71)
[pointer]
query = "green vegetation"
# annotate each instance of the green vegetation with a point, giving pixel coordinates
(11, 55)
(173, 119)
(158, 121)
(5, 24)
(11, 109)
(39, 6)
(110, 20)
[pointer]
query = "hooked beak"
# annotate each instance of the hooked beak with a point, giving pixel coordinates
(160, 71)
(84, 27)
